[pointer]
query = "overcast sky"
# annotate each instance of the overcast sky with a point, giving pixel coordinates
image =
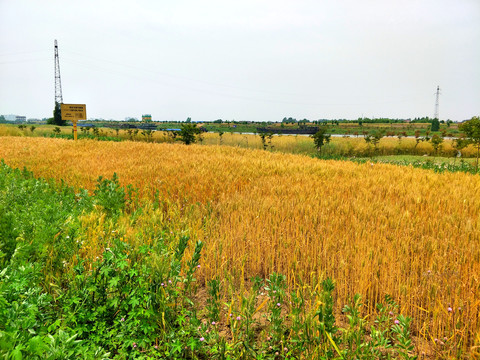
(242, 60)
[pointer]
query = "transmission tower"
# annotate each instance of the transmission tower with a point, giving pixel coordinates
(58, 81)
(437, 97)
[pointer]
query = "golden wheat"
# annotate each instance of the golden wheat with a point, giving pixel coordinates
(376, 229)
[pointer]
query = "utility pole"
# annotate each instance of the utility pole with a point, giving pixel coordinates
(58, 82)
(437, 97)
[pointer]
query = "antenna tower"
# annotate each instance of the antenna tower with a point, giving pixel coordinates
(58, 82)
(437, 97)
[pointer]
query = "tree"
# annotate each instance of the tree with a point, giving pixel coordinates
(427, 136)
(263, 137)
(435, 125)
(436, 143)
(57, 116)
(471, 128)
(458, 144)
(188, 132)
(321, 138)
(270, 137)
(374, 138)
(400, 135)
(418, 139)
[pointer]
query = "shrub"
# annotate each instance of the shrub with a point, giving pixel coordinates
(110, 195)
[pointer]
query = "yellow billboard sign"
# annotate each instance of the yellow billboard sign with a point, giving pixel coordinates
(73, 112)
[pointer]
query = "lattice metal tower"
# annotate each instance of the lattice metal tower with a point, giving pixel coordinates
(58, 81)
(437, 97)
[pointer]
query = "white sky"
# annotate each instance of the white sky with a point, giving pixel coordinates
(242, 60)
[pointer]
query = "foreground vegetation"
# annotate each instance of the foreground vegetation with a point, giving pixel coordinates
(376, 229)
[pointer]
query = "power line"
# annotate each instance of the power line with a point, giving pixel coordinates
(22, 52)
(25, 60)
(162, 79)
(183, 78)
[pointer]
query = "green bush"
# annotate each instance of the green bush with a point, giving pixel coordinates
(110, 195)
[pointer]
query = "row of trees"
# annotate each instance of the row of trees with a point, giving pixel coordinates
(470, 129)
(57, 120)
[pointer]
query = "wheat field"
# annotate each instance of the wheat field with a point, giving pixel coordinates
(376, 229)
(350, 146)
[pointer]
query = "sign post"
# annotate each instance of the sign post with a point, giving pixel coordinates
(74, 112)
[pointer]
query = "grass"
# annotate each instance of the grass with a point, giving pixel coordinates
(437, 164)
(413, 158)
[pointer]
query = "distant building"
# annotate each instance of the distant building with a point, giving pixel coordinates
(16, 118)
(146, 118)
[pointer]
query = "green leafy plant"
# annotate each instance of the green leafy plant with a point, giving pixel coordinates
(436, 143)
(188, 133)
(110, 195)
(374, 138)
(321, 138)
(213, 301)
